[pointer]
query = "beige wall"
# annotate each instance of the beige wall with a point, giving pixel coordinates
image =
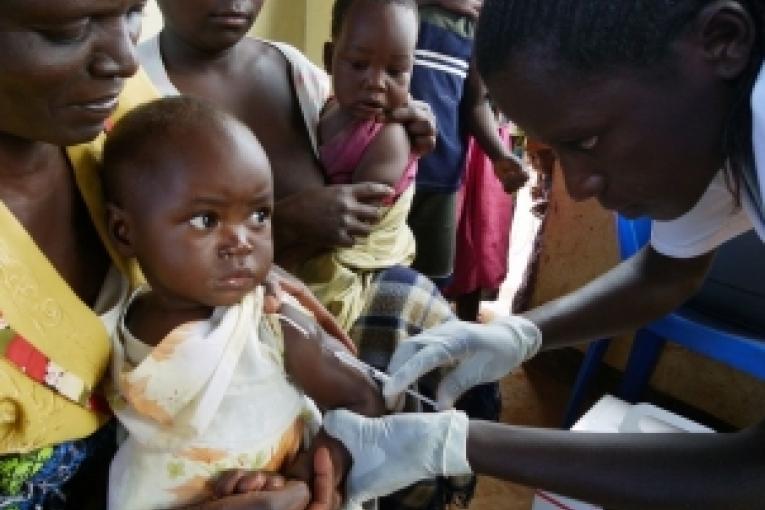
(302, 23)
(318, 19)
(283, 20)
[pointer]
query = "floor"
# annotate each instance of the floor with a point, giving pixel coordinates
(533, 396)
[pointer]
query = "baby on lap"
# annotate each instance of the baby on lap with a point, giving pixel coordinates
(203, 380)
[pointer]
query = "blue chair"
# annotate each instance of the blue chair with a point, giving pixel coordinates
(699, 332)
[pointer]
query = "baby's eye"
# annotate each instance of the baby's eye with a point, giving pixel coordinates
(395, 72)
(68, 34)
(260, 216)
(358, 65)
(204, 221)
(589, 143)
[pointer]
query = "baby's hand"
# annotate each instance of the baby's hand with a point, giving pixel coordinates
(240, 481)
(510, 174)
(257, 490)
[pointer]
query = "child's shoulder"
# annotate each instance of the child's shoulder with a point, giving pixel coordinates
(263, 53)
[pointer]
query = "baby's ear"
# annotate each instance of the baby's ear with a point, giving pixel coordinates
(120, 232)
(329, 49)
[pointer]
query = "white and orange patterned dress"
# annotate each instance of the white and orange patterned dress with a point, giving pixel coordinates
(211, 396)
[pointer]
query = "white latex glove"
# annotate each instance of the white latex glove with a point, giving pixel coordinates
(394, 451)
(481, 352)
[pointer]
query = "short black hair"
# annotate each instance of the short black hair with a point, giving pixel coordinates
(341, 7)
(160, 122)
(597, 36)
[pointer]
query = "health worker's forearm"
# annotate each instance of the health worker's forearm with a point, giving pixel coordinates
(627, 471)
(632, 294)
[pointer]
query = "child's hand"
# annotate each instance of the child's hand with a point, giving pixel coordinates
(253, 490)
(290, 495)
(471, 8)
(510, 174)
(420, 124)
(240, 481)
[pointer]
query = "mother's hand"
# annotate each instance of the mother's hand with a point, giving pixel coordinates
(280, 281)
(324, 495)
(333, 215)
(258, 490)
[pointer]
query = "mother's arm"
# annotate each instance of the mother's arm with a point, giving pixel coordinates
(310, 216)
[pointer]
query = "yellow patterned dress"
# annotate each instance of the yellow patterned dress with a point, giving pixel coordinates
(54, 349)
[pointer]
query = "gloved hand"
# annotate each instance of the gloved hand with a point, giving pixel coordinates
(394, 451)
(481, 352)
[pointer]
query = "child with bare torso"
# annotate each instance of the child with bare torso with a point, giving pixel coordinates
(203, 50)
(203, 378)
(370, 59)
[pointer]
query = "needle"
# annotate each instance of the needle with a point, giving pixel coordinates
(351, 361)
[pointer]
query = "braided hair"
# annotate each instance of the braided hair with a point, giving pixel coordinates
(601, 35)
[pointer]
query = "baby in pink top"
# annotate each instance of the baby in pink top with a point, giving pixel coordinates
(370, 58)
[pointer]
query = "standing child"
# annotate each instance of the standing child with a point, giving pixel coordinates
(202, 377)
(370, 58)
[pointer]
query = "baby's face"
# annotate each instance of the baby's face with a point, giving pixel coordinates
(202, 232)
(373, 58)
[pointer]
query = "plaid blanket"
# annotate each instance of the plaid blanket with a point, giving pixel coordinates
(402, 303)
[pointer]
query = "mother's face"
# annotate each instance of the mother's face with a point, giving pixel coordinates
(62, 65)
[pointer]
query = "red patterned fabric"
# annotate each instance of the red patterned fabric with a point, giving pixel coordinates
(483, 233)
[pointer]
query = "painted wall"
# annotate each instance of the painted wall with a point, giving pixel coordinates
(302, 23)
(283, 20)
(318, 19)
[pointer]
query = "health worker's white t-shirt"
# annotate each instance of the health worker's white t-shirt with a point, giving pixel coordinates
(715, 218)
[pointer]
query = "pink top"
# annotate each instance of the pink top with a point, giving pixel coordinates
(342, 155)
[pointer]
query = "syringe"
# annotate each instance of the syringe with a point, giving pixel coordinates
(348, 359)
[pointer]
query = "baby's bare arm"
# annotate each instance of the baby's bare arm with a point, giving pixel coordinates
(387, 156)
(311, 364)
